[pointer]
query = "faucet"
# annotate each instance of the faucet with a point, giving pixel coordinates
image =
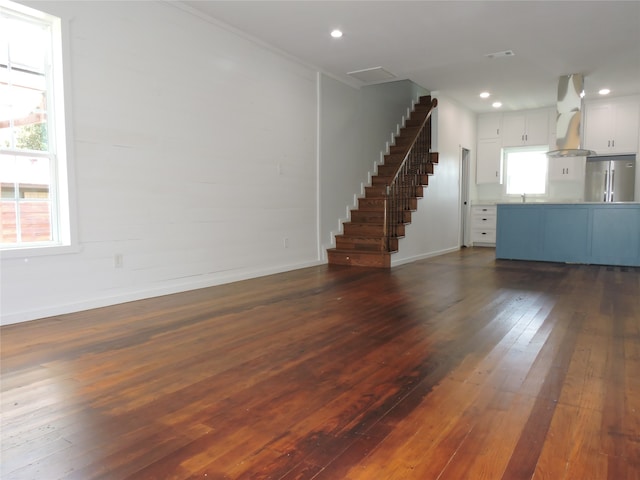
(524, 197)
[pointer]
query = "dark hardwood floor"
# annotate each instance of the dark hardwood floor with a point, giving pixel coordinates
(455, 367)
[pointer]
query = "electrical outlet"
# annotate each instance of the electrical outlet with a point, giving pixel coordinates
(285, 242)
(118, 260)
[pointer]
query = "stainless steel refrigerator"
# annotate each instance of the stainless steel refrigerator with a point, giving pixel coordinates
(610, 178)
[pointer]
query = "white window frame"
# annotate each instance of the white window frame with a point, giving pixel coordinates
(505, 172)
(62, 194)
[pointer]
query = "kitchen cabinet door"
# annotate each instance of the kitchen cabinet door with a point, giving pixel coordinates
(488, 161)
(565, 234)
(525, 128)
(537, 132)
(597, 127)
(566, 169)
(518, 232)
(513, 129)
(612, 127)
(626, 122)
(627, 127)
(489, 125)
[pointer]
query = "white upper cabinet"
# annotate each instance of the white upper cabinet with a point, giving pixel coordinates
(488, 155)
(566, 169)
(612, 126)
(488, 160)
(525, 128)
(498, 130)
(489, 125)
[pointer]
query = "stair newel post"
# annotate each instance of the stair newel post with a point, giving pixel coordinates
(385, 219)
(427, 143)
(402, 201)
(403, 180)
(418, 153)
(410, 181)
(422, 150)
(407, 188)
(401, 188)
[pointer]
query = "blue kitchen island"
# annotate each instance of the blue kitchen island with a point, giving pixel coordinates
(589, 233)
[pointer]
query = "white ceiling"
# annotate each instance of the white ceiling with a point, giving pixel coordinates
(441, 45)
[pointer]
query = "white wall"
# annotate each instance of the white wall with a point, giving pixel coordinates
(435, 226)
(357, 126)
(195, 157)
(199, 154)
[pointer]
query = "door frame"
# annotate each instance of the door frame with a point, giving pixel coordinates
(465, 204)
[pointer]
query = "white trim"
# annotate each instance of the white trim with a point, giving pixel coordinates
(27, 252)
(63, 199)
(319, 245)
(24, 10)
(175, 286)
(229, 28)
(67, 195)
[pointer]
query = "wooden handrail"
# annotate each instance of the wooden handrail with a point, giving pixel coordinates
(434, 104)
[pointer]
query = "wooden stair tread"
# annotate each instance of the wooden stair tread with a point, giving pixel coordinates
(357, 252)
(370, 224)
(363, 237)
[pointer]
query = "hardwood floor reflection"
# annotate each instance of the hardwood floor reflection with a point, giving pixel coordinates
(459, 366)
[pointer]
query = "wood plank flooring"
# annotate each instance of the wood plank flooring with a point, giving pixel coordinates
(455, 367)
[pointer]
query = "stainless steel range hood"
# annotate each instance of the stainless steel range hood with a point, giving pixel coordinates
(569, 113)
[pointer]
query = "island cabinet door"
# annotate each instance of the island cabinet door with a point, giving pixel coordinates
(616, 235)
(566, 234)
(519, 230)
(601, 234)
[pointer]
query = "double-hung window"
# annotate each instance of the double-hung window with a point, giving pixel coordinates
(525, 170)
(34, 202)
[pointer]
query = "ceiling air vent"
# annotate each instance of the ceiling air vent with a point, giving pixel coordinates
(505, 53)
(372, 75)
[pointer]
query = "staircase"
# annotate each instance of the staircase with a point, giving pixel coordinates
(372, 234)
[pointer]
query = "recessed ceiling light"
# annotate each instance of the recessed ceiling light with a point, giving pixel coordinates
(496, 104)
(485, 95)
(336, 33)
(604, 91)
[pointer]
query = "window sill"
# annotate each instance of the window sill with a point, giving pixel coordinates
(27, 252)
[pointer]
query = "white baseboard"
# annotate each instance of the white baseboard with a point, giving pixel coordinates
(170, 287)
